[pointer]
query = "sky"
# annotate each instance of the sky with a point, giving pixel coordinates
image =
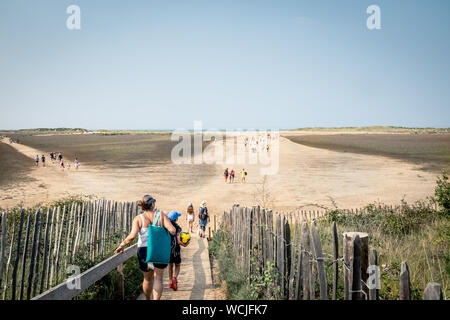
(236, 64)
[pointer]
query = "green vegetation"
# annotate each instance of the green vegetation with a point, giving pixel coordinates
(221, 249)
(130, 132)
(431, 151)
(257, 285)
(375, 129)
(46, 131)
(442, 194)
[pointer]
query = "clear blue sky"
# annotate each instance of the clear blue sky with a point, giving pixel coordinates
(230, 63)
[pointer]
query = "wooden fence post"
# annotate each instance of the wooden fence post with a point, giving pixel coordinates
(364, 261)
(355, 270)
(405, 285)
(24, 257)
(287, 257)
(3, 246)
(16, 260)
(373, 261)
(335, 257)
(38, 255)
(433, 291)
(55, 246)
(8, 262)
(306, 264)
(33, 254)
(317, 249)
(299, 275)
(293, 266)
(279, 253)
(44, 259)
(120, 281)
(58, 245)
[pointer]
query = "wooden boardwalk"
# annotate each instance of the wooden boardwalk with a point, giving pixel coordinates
(195, 280)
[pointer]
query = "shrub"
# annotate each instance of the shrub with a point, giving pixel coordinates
(442, 194)
(236, 281)
(407, 219)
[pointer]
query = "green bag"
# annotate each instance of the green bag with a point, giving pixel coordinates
(159, 243)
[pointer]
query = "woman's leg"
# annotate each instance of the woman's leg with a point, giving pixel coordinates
(147, 285)
(157, 284)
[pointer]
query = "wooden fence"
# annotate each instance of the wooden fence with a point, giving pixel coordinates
(37, 247)
(293, 247)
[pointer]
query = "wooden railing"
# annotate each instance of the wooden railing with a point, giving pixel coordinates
(69, 289)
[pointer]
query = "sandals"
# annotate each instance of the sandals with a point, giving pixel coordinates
(174, 284)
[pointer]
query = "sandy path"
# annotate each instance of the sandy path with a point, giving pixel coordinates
(194, 280)
(306, 176)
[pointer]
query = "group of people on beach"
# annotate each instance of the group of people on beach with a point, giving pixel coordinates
(153, 271)
(11, 140)
(54, 157)
(260, 141)
(229, 175)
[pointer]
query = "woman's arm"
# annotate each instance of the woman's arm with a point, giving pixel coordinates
(134, 231)
(168, 225)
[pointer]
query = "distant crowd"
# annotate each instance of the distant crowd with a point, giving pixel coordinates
(11, 140)
(54, 157)
(261, 142)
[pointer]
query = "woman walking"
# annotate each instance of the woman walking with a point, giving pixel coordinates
(153, 272)
(203, 218)
(190, 216)
(225, 175)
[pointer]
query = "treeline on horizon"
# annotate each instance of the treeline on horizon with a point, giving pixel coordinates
(388, 129)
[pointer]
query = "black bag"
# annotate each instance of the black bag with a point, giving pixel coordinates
(203, 213)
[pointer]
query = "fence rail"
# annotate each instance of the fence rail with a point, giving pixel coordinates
(69, 288)
(259, 235)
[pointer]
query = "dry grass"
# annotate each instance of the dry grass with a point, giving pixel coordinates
(14, 166)
(431, 151)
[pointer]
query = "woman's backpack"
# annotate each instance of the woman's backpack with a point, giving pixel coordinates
(159, 243)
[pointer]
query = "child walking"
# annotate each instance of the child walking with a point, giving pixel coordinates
(190, 216)
(175, 252)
